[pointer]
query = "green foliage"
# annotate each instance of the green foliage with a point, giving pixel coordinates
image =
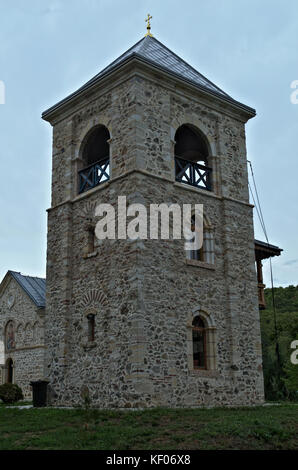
(286, 299)
(291, 378)
(278, 376)
(10, 393)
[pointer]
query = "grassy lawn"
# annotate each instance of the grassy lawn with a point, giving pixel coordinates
(270, 427)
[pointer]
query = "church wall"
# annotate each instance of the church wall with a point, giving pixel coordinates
(173, 292)
(103, 282)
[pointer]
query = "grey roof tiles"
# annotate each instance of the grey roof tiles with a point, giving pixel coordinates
(35, 287)
(155, 52)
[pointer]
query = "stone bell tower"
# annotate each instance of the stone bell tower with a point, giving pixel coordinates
(146, 323)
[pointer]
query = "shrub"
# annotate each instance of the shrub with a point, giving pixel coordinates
(10, 393)
(291, 379)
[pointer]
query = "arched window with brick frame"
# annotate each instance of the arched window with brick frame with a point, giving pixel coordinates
(201, 342)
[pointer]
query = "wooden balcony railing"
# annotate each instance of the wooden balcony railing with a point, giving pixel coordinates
(94, 174)
(192, 173)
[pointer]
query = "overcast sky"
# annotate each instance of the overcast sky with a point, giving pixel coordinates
(48, 48)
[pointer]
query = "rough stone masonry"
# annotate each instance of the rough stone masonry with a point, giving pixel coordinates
(144, 294)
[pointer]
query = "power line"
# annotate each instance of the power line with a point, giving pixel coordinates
(258, 208)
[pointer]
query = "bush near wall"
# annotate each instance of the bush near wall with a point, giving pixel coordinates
(10, 393)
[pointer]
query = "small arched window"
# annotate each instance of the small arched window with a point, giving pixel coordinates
(206, 252)
(191, 157)
(199, 344)
(89, 247)
(96, 159)
(91, 327)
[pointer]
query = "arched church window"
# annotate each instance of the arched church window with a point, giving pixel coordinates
(199, 343)
(206, 252)
(10, 336)
(96, 159)
(192, 157)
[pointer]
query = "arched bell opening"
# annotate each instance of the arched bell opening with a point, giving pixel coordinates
(192, 157)
(95, 157)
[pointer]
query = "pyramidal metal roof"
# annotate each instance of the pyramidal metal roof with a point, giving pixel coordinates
(154, 53)
(35, 287)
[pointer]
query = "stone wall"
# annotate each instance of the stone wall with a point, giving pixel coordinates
(143, 293)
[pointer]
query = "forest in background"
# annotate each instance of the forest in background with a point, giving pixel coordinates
(280, 375)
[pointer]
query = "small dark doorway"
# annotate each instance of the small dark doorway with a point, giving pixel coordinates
(9, 371)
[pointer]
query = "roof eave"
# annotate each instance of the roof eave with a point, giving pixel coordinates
(265, 250)
(49, 114)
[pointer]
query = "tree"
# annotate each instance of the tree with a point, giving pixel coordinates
(279, 379)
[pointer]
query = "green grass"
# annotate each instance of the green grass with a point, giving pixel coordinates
(270, 427)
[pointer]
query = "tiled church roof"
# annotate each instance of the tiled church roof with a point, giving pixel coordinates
(35, 287)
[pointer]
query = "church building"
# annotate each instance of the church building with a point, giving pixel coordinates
(22, 311)
(145, 323)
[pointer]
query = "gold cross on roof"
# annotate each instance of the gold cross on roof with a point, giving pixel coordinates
(148, 25)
